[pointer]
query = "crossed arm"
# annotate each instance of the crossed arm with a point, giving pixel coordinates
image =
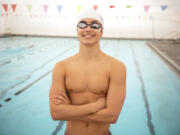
(103, 110)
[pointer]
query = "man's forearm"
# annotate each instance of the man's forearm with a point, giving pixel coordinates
(61, 109)
(103, 115)
(70, 112)
(106, 115)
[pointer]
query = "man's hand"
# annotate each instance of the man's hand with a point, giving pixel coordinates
(96, 106)
(61, 98)
(101, 103)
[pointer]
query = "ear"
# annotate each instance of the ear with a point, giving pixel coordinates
(101, 32)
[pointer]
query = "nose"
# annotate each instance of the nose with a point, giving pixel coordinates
(88, 28)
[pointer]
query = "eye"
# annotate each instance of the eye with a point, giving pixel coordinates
(95, 25)
(82, 25)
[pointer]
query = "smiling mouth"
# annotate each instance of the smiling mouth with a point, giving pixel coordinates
(88, 35)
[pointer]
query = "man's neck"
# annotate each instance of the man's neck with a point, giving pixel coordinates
(89, 52)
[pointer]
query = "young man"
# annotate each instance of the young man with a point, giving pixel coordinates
(88, 89)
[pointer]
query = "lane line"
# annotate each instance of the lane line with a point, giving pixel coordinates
(29, 85)
(39, 78)
(28, 75)
(7, 99)
(58, 127)
(147, 106)
(23, 89)
(4, 91)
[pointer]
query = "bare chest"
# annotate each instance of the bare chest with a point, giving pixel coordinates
(91, 78)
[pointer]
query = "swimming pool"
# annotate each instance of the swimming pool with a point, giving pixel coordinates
(153, 90)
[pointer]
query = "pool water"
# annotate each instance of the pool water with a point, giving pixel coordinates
(26, 63)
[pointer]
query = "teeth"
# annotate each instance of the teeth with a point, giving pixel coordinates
(88, 36)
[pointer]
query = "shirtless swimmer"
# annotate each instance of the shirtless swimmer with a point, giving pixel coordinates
(89, 88)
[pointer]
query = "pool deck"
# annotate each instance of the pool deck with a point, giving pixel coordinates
(169, 51)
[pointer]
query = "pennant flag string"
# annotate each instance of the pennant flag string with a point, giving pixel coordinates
(95, 7)
(59, 8)
(13, 7)
(5, 6)
(79, 7)
(45, 8)
(29, 7)
(111, 6)
(128, 6)
(163, 7)
(146, 8)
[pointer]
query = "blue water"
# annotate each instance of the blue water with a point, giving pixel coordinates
(150, 108)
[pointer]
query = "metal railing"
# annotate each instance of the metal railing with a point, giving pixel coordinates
(175, 35)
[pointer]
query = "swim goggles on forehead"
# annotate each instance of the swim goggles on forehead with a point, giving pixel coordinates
(93, 25)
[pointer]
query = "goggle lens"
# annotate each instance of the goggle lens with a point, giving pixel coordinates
(83, 25)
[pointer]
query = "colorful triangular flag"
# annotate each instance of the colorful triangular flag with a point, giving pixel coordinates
(79, 7)
(45, 8)
(5, 6)
(146, 8)
(95, 7)
(13, 7)
(59, 8)
(128, 6)
(29, 7)
(112, 6)
(150, 17)
(163, 7)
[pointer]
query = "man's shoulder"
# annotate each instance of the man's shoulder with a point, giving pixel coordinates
(116, 65)
(115, 62)
(117, 69)
(63, 63)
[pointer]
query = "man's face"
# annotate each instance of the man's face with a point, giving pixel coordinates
(89, 35)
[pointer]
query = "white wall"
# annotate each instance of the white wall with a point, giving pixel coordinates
(120, 21)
